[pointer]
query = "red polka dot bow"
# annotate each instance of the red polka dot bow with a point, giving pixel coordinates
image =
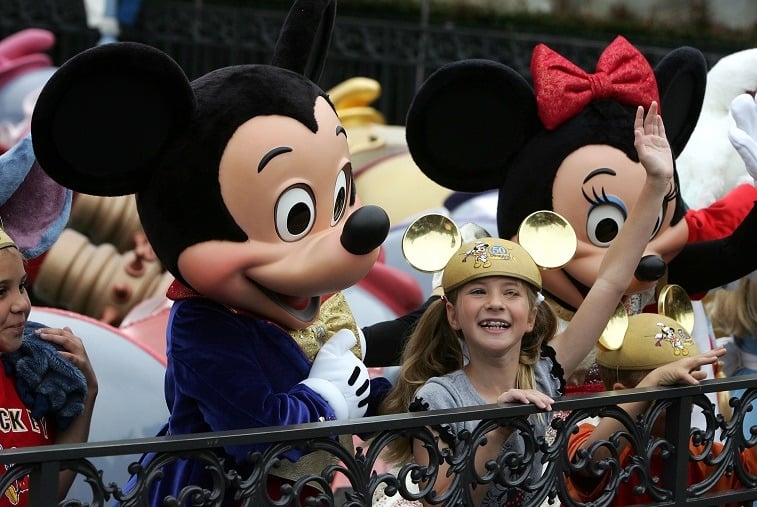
(564, 89)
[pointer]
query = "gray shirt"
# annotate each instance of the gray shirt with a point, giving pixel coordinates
(455, 390)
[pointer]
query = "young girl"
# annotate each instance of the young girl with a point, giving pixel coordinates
(492, 305)
(733, 312)
(646, 360)
(19, 341)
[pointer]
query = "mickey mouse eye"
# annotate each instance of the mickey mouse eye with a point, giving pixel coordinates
(295, 213)
(604, 222)
(340, 197)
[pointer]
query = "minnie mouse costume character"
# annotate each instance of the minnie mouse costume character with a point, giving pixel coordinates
(566, 145)
(245, 190)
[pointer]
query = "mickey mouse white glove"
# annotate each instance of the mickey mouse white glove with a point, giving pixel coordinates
(743, 135)
(340, 377)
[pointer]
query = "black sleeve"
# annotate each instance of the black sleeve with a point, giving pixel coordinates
(384, 341)
(706, 265)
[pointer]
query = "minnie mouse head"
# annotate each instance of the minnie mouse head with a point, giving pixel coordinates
(242, 177)
(566, 145)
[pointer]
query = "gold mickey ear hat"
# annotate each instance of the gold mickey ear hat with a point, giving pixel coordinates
(651, 340)
(5, 240)
(489, 257)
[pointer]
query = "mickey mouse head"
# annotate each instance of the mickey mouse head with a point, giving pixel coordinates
(242, 177)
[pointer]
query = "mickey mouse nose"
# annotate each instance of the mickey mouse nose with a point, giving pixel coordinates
(365, 230)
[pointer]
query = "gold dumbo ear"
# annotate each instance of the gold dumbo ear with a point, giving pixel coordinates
(430, 240)
(352, 99)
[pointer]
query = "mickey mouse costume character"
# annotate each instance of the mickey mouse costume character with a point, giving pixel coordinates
(245, 190)
(565, 145)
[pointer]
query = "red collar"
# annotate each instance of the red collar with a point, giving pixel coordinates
(178, 291)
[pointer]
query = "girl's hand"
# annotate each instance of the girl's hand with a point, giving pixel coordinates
(73, 350)
(526, 396)
(683, 371)
(652, 144)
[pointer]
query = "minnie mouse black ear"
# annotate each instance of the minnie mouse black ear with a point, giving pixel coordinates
(681, 78)
(467, 121)
(103, 120)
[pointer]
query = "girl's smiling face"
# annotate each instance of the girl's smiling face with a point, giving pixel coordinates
(14, 299)
(493, 314)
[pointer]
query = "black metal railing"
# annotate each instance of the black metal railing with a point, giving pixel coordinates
(399, 55)
(363, 472)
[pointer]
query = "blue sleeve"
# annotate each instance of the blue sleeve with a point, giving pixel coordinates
(238, 372)
(380, 387)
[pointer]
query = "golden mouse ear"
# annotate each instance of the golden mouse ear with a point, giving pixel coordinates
(548, 238)
(5, 240)
(615, 330)
(552, 242)
(674, 302)
(429, 242)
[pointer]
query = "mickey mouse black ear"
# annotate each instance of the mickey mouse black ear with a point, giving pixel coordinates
(103, 120)
(305, 37)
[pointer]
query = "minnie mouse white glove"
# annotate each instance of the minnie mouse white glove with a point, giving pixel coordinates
(743, 135)
(340, 377)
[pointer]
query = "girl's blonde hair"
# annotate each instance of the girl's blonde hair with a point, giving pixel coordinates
(734, 312)
(433, 350)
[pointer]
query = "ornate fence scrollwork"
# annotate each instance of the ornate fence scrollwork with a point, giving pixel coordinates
(144, 476)
(719, 445)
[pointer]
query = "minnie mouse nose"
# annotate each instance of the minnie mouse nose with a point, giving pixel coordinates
(365, 230)
(650, 268)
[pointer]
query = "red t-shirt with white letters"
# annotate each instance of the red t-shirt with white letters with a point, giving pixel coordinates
(18, 429)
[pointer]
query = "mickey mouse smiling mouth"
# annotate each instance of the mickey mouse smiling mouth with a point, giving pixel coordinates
(290, 283)
(304, 309)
